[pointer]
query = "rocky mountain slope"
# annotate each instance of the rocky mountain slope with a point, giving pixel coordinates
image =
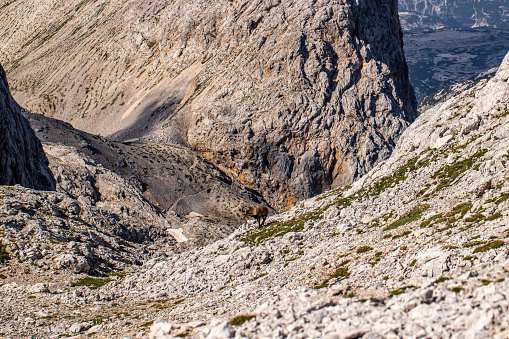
(417, 247)
(432, 14)
(22, 160)
(291, 98)
(191, 192)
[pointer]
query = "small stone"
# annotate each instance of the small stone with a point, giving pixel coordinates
(442, 141)
(79, 327)
(221, 331)
(38, 288)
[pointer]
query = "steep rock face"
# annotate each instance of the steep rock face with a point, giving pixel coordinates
(291, 98)
(320, 94)
(22, 159)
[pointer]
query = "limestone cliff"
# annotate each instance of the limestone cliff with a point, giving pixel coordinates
(292, 98)
(22, 159)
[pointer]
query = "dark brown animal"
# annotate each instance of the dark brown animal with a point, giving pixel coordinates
(259, 213)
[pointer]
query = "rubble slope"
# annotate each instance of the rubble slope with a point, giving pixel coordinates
(417, 247)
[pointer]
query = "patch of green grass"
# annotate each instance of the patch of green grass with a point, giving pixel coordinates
(408, 217)
(400, 290)
(462, 209)
(498, 200)
(489, 246)
(449, 173)
(3, 276)
(474, 218)
(395, 178)
(494, 216)
(502, 198)
(473, 243)
(92, 283)
(413, 262)
(440, 280)
(485, 281)
(278, 229)
(344, 262)
(4, 256)
(401, 235)
(340, 273)
(363, 249)
(240, 319)
(457, 289)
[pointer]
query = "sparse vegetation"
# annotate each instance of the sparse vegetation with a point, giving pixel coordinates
(4, 256)
(92, 283)
(394, 179)
(278, 229)
(408, 217)
(340, 273)
(449, 173)
(363, 249)
(462, 209)
(400, 290)
(440, 280)
(474, 218)
(473, 243)
(491, 245)
(494, 216)
(240, 319)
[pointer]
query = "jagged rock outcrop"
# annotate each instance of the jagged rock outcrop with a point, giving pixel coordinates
(292, 98)
(22, 159)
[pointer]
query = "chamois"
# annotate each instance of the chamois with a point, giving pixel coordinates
(259, 213)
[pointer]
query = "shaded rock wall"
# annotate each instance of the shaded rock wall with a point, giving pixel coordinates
(22, 159)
